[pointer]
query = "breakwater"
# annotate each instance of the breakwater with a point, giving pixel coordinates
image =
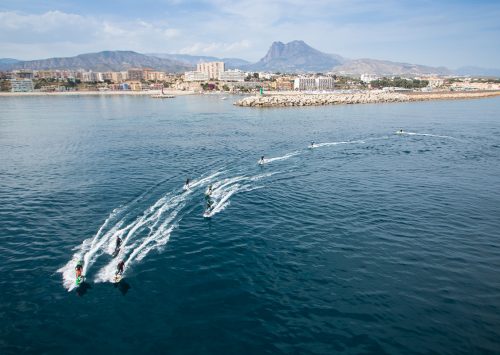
(365, 97)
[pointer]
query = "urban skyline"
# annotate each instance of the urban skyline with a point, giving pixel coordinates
(448, 33)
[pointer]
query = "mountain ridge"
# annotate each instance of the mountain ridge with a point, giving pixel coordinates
(101, 61)
(231, 63)
(386, 67)
(292, 57)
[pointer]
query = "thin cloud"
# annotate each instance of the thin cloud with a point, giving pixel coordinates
(425, 32)
(214, 48)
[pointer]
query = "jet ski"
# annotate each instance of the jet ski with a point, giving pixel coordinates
(80, 278)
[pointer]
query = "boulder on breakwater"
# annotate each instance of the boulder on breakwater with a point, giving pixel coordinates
(364, 97)
(320, 99)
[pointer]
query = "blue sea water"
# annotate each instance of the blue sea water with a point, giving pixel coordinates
(371, 242)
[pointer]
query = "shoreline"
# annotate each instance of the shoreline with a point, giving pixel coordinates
(363, 97)
(97, 93)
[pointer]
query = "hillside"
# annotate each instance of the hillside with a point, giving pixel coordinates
(101, 61)
(192, 60)
(385, 67)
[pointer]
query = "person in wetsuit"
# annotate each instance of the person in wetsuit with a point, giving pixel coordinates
(118, 243)
(120, 267)
(79, 269)
(208, 193)
(210, 204)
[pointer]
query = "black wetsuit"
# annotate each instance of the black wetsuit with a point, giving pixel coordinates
(121, 265)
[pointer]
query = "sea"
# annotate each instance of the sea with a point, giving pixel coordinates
(366, 242)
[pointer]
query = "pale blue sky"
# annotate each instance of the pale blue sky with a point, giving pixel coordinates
(440, 33)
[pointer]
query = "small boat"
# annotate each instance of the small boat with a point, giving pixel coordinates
(160, 96)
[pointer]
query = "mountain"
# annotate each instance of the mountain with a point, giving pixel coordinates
(102, 61)
(296, 56)
(292, 57)
(385, 67)
(192, 60)
(8, 61)
(477, 71)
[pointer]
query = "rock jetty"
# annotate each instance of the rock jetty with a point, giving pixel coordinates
(451, 95)
(364, 97)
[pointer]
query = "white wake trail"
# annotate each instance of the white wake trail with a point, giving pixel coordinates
(327, 144)
(105, 238)
(152, 230)
(424, 134)
(86, 252)
(284, 157)
(224, 189)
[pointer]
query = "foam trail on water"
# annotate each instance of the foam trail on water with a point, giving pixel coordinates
(205, 180)
(424, 134)
(105, 238)
(327, 144)
(284, 157)
(224, 189)
(85, 252)
(152, 230)
(90, 246)
(136, 240)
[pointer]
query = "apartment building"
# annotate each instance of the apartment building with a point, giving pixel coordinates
(196, 76)
(21, 85)
(304, 84)
(232, 75)
(135, 74)
(213, 69)
(321, 83)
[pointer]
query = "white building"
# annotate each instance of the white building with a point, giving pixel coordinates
(368, 78)
(232, 75)
(213, 69)
(321, 83)
(264, 75)
(325, 83)
(196, 76)
(304, 84)
(21, 85)
(90, 76)
(96, 76)
(85, 76)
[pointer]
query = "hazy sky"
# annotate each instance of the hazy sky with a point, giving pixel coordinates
(440, 32)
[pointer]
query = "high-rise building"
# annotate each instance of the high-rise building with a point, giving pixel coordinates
(107, 76)
(21, 85)
(155, 75)
(135, 74)
(213, 69)
(24, 74)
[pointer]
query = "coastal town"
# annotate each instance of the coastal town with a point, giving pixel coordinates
(213, 77)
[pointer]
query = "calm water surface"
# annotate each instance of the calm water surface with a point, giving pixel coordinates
(371, 242)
